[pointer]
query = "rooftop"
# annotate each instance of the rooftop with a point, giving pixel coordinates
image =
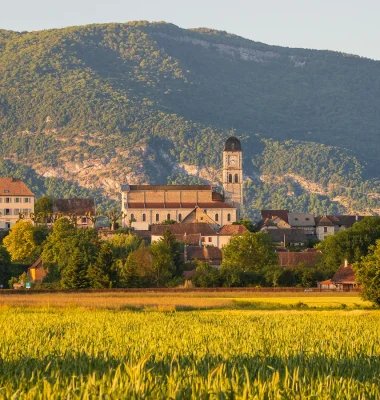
(232, 144)
(14, 187)
(182, 228)
(165, 187)
(74, 206)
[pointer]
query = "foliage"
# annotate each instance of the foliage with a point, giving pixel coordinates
(351, 244)
(368, 274)
(24, 241)
(246, 257)
(247, 223)
(5, 262)
(74, 276)
(100, 273)
(44, 205)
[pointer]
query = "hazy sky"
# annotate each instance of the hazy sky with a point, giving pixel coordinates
(350, 26)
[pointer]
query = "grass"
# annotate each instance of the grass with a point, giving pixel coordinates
(77, 352)
(188, 301)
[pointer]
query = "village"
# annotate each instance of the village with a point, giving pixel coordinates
(202, 220)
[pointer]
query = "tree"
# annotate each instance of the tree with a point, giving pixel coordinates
(44, 205)
(205, 275)
(5, 262)
(247, 223)
(123, 244)
(75, 275)
(368, 274)
(174, 246)
(351, 244)
(163, 264)
(64, 240)
(100, 272)
(21, 242)
(247, 258)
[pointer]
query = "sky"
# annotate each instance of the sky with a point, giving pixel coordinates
(350, 26)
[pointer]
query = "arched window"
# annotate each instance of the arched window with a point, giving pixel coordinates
(205, 211)
(168, 217)
(157, 217)
(236, 178)
(179, 217)
(132, 217)
(144, 217)
(228, 217)
(216, 217)
(230, 178)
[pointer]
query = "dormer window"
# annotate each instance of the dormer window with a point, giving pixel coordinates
(6, 191)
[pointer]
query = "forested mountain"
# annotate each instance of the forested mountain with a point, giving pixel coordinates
(83, 109)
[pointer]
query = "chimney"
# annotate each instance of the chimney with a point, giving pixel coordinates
(345, 263)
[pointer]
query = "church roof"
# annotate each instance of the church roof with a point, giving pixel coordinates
(165, 187)
(171, 205)
(232, 144)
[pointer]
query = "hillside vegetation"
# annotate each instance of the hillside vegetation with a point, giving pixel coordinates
(83, 109)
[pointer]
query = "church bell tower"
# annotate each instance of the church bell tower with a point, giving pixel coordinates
(233, 173)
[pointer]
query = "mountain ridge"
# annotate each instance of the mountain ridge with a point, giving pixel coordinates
(136, 101)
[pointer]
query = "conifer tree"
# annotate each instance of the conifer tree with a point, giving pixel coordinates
(100, 273)
(75, 275)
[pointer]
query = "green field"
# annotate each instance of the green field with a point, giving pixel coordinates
(78, 350)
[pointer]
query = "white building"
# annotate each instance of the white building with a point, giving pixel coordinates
(15, 199)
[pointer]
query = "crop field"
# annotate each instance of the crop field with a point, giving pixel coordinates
(189, 300)
(71, 351)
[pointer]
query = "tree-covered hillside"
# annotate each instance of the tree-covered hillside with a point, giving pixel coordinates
(99, 105)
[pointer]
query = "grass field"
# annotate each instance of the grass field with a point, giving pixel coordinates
(189, 300)
(93, 346)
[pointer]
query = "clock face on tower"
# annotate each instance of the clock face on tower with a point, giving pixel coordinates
(232, 160)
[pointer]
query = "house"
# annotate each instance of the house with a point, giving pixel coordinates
(329, 224)
(287, 237)
(16, 200)
(203, 233)
(145, 205)
(269, 214)
(210, 255)
(37, 273)
(292, 259)
(79, 211)
(304, 221)
(344, 280)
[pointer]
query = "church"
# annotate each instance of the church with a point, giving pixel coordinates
(145, 205)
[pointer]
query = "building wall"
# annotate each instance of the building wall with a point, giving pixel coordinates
(232, 178)
(226, 216)
(10, 206)
(321, 234)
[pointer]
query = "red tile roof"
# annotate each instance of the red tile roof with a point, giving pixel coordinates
(233, 230)
(169, 187)
(283, 214)
(208, 254)
(345, 274)
(75, 205)
(14, 187)
(338, 220)
(292, 258)
(181, 228)
(212, 204)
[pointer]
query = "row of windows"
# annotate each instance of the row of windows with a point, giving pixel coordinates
(15, 199)
(168, 217)
(230, 178)
(16, 211)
